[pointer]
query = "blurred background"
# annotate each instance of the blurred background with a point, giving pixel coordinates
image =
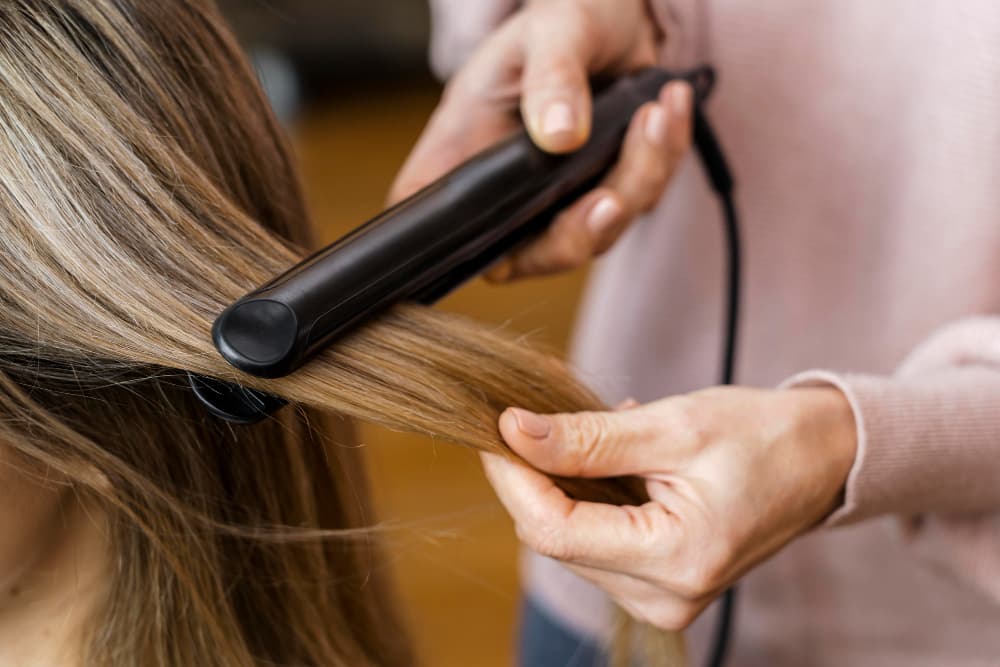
(350, 78)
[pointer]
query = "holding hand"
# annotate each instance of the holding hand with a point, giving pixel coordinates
(733, 475)
(539, 63)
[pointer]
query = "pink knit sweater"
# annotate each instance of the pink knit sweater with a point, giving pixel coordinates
(865, 139)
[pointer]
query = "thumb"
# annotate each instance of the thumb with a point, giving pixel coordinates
(585, 444)
(555, 98)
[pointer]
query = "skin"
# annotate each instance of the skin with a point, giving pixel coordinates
(52, 563)
(734, 474)
(538, 64)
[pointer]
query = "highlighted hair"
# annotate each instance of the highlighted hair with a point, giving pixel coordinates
(144, 185)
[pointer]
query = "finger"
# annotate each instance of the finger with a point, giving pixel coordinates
(592, 444)
(457, 130)
(619, 585)
(478, 108)
(591, 534)
(643, 601)
(657, 139)
(679, 97)
(501, 272)
(556, 101)
(575, 237)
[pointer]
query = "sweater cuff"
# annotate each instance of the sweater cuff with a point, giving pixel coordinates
(924, 444)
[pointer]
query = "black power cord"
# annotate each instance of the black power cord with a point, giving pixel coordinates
(721, 179)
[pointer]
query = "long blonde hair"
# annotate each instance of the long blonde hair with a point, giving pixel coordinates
(143, 186)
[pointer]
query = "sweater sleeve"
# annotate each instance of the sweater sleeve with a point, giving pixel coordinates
(458, 27)
(929, 448)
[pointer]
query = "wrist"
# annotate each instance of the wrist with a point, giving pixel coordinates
(826, 428)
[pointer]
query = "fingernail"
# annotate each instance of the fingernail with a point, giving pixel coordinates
(656, 126)
(605, 214)
(530, 424)
(558, 119)
(680, 98)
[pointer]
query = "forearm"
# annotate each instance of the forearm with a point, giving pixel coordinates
(928, 438)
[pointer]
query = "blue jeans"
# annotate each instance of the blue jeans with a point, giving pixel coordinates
(545, 642)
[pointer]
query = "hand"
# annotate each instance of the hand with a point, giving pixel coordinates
(542, 58)
(733, 475)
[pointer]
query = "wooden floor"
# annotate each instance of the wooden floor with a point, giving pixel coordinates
(455, 554)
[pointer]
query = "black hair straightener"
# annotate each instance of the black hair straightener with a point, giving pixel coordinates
(420, 249)
(450, 231)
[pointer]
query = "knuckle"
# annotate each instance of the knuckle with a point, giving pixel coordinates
(642, 182)
(578, 20)
(567, 252)
(589, 434)
(652, 176)
(651, 189)
(687, 424)
(586, 24)
(553, 76)
(704, 579)
(658, 176)
(605, 245)
(672, 616)
(704, 576)
(554, 65)
(680, 142)
(648, 528)
(544, 542)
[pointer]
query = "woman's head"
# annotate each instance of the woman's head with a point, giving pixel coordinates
(143, 183)
(143, 186)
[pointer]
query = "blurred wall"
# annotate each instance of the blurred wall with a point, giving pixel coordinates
(332, 40)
